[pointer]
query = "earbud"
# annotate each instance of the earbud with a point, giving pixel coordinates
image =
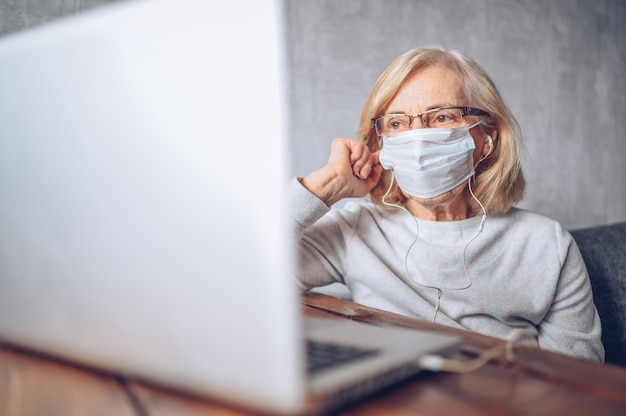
(490, 143)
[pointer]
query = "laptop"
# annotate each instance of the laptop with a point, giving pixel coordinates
(143, 158)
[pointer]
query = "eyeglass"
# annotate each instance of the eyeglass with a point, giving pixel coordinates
(449, 117)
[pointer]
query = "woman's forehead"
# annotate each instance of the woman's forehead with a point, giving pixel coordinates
(428, 88)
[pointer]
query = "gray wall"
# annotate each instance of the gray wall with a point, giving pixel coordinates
(17, 15)
(559, 65)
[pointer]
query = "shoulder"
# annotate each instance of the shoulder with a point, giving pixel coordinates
(528, 217)
(538, 229)
(537, 223)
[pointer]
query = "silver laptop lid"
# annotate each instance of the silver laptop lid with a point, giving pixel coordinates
(141, 174)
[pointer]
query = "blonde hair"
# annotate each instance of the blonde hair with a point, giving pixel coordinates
(499, 181)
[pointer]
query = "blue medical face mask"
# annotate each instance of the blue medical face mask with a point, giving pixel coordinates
(429, 162)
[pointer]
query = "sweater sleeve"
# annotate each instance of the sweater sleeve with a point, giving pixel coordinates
(572, 324)
(304, 207)
(316, 237)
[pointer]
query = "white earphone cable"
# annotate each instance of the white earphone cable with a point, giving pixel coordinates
(406, 257)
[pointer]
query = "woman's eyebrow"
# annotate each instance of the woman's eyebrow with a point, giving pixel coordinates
(432, 107)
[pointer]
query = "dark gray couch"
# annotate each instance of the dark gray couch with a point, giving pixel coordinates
(604, 251)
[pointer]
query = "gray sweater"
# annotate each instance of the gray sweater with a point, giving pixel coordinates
(522, 271)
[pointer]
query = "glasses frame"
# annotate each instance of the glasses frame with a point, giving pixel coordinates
(465, 111)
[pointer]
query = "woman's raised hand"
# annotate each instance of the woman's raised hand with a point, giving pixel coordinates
(351, 172)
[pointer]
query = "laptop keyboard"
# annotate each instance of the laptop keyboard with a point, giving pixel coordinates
(323, 356)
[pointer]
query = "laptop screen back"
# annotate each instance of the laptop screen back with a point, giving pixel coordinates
(142, 163)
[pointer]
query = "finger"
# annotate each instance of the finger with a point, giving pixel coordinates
(356, 151)
(370, 164)
(339, 158)
(360, 160)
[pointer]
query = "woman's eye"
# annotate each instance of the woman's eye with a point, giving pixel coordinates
(398, 123)
(394, 125)
(391, 124)
(446, 118)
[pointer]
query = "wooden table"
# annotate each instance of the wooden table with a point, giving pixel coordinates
(536, 383)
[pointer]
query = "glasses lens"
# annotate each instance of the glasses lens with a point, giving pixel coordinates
(444, 118)
(392, 124)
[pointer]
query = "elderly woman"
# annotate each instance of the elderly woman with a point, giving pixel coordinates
(436, 236)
